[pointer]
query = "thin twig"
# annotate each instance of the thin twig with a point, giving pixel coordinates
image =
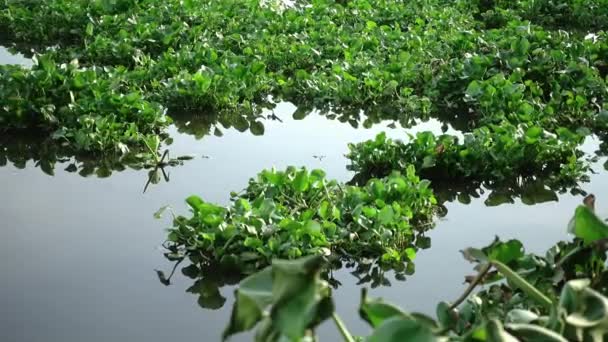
(482, 273)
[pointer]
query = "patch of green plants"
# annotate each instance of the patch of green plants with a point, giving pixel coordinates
(560, 297)
(89, 108)
(543, 77)
(296, 212)
(398, 60)
(492, 154)
(584, 15)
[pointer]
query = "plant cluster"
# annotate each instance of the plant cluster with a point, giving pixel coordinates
(560, 297)
(296, 212)
(87, 107)
(492, 154)
(561, 14)
(392, 59)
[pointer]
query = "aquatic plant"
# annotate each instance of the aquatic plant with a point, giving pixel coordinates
(492, 154)
(296, 212)
(393, 59)
(541, 298)
(88, 108)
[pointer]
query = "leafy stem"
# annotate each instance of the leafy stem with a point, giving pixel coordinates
(511, 276)
(521, 283)
(342, 328)
(482, 273)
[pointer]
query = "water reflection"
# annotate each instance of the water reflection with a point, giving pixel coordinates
(529, 190)
(21, 148)
(202, 124)
(211, 280)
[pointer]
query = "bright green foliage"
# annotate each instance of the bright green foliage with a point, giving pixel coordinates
(463, 61)
(518, 310)
(88, 107)
(297, 212)
(493, 153)
(547, 274)
(284, 300)
(565, 14)
(588, 227)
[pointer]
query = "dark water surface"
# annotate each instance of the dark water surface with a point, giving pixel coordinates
(78, 254)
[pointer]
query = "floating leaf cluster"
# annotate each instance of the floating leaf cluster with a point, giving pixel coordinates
(390, 59)
(492, 154)
(296, 212)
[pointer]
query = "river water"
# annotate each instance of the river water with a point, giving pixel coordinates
(79, 255)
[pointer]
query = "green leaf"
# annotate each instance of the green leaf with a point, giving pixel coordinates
(520, 316)
(300, 299)
(376, 311)
(446, 316)
(401, 329)
(257, 128)
(504, 252)
(300, 183)
(428, 162)
(159, 213)
(587, 226)
(386, 215)
(533, 134)
(529, 332)
(252, 297)
(474, 255)
(194, 202)
(496, 332)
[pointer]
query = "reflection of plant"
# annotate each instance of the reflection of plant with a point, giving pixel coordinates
(209, 279)
(21, 148)
(296, 212)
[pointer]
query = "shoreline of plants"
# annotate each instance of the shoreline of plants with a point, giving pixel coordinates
(105, 77)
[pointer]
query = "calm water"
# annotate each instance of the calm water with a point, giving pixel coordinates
(78, 255)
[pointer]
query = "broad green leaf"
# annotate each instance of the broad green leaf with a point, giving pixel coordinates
(386, 215)
(194, 202)
(300, 299)
(529, 332)
(587, 226)
(252, 297)
(446, 316)
(520, 316)
(496, 332)
(300, 182)
(402, 329)
(376, 311)
(504, 252)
